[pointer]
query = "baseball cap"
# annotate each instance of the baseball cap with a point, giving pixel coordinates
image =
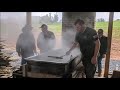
(43, 25)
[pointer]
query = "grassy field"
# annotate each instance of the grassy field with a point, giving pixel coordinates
(57, 27)
(104, 26)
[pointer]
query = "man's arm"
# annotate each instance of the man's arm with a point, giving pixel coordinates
(97, 47)
(96, 51)
(105, 45)
(52, 40)
(38, 41)
(34, 46)
(73, 46)
(18, 49)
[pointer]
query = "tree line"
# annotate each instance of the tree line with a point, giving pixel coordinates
(48, 19)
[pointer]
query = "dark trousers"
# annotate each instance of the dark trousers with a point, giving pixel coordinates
(90, 68)
(23, 61)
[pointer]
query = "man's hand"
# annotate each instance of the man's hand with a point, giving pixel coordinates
(36, 53)
(94, 60)
(68, 52)
(73, 46)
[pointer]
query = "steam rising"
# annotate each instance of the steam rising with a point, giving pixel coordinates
(26, 44)
(68, 40)
(45, 44)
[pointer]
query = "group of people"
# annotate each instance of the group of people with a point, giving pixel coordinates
(93, 45)
(26, 46)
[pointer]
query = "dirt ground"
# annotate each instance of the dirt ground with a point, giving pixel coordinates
(115, 47)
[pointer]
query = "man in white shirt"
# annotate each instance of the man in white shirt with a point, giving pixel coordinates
(46, 39)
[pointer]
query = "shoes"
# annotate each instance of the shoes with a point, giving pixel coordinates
(99, 74)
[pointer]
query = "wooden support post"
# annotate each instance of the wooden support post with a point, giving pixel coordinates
(111, 15)
(24, 70)
(28, 18)
(0, 23)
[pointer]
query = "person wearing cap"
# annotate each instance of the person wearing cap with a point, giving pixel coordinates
(89, 43)
(46, 39)
(102, 51)
(25, 45)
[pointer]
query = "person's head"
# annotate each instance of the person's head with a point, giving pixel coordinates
(79, 24)
(26, 28)
(100, 32)
(44, 28)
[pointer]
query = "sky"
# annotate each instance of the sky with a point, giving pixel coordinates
(104, 15)
(44, 13)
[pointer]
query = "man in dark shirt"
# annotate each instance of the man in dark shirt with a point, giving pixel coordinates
(103, 49)
(25, 45)
(46, 39)
(88, 41)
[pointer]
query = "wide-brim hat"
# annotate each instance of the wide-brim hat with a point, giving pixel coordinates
(27, 28)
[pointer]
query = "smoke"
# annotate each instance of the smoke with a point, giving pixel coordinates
(68, 40)
(51, 43)
(26, 44)
(45, 43)
(11, 23)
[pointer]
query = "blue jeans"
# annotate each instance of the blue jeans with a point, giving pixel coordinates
(99, 63)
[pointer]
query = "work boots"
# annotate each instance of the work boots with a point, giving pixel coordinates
(99, 74)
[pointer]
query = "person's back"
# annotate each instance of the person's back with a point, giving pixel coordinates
(25, 45)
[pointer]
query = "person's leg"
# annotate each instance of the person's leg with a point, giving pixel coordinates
(90, 68)
(23, 61)
(99, 65)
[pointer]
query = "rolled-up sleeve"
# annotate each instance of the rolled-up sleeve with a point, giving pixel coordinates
(94, 35)
(77, 37)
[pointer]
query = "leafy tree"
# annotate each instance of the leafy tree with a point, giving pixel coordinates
(55, 18)
(100, 20)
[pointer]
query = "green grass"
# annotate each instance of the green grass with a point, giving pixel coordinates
(104, 26)
(57, 28)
